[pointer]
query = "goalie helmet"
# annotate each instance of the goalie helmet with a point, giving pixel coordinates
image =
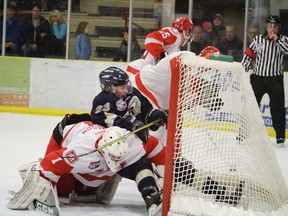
(184, 25)
(209, 49)
(112, 77)
(115, 153)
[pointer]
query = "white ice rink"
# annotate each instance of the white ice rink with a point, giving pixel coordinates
(24, 138)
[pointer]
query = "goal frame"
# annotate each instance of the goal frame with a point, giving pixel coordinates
(174, 65)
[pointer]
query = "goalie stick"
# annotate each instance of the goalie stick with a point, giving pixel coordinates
(116, 140)
(52, 210)
(48, 209)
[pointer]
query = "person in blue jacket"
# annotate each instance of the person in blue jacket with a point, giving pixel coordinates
(83, 46)
(14, 32)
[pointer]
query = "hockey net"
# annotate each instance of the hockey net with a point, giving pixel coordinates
(215, 125)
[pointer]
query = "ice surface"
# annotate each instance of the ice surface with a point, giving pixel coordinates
(24, 138)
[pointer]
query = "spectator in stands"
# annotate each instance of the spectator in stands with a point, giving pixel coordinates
(198, 43)
(121, 54)
(14, 31)
(83, 46)
(207, 32)
(37, 33)
(231, 44)
(218, 32)
(253, 31)
(58, 36)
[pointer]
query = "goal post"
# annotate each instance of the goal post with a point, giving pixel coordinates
(220, 160)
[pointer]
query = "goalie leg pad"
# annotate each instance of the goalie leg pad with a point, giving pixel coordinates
(106, 191)
(25, 169)
(35, 187)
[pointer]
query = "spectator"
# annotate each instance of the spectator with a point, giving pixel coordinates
(207, 32)
(198, 43)
(231, 44)
(37, 33)
(123, 50)
(14, 32)
(58, 33)
(218, 32)
(253, 31)
(268, 50)
(83, 46)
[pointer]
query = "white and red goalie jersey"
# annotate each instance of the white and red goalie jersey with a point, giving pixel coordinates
(167, 39)
(92, 169)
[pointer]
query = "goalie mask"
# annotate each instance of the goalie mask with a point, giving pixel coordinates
(185, 26)
(112, 77)
(115, 153)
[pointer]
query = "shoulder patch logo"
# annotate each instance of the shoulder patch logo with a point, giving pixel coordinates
(71, 156)
(94, 165)
(121, 105)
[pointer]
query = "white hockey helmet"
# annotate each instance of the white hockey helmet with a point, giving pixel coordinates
(115, 153)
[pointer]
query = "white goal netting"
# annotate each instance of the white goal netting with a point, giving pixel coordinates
(221, 143)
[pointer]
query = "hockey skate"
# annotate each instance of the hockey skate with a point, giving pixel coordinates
(34, 188)
(232, 198)
(154, 203)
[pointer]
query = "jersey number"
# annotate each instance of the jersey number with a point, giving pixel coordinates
(165, 34)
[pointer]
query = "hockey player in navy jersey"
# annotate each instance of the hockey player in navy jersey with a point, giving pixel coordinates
(120, 104)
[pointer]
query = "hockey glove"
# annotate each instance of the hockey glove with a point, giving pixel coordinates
(162, 55)
(157, 114)
(132, 124)
(68, 120)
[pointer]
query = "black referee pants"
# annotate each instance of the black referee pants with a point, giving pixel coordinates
(274, 87)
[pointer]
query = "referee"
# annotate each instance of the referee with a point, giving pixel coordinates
(265, 55)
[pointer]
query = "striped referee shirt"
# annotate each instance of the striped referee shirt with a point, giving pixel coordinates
(266, 56)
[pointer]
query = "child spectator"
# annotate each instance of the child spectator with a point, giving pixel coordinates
(37, 34)
(59, 31)
(14, 32)
(83, 46)
(123, 50)
(207, 32)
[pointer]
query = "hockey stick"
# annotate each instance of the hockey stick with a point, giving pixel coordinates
(116, 140)
(48, 209)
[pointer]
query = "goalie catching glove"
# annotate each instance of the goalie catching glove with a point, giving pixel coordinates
(157, 114)
(132, 124)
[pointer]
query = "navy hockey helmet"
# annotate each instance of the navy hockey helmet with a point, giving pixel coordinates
(112, 77)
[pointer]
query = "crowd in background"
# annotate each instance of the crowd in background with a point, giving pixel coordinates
(36, 36)
(222, 36)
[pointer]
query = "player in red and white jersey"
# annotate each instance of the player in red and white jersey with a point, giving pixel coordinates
(163, 42)
(85, 137)
(84, 153)
(154, 81)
